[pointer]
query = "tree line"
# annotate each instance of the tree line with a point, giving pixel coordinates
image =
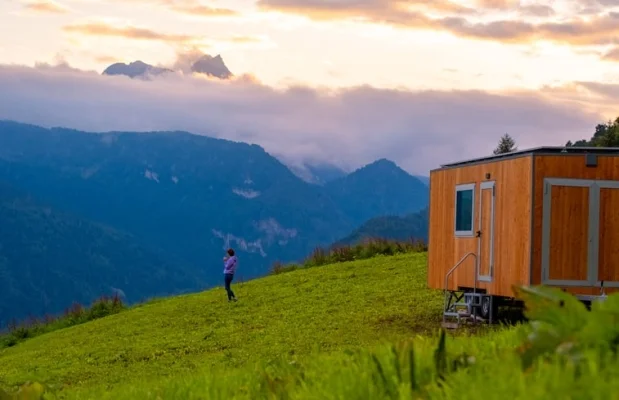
(605, 135)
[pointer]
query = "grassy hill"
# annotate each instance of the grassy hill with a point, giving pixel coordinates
(325, 333)
(292, 315)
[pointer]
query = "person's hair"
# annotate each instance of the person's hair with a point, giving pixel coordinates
(230, 252)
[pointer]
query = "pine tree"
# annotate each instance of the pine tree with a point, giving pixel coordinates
(506, 145)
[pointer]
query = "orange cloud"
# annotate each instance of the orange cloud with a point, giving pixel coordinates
(499, 4)
(244, 39)
(202, 10)
(189, 7)
(105, 59)
(46, 7)
(596, 31)
(101, 29)
(600, 29)
(612, 55)
(366, 9)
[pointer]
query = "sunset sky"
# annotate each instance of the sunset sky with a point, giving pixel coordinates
(496, 66)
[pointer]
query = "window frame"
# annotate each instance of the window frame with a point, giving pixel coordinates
(464, 188)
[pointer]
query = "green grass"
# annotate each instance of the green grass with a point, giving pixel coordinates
(358, 330)
(316, 310)
(74, 315)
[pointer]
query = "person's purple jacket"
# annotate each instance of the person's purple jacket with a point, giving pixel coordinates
(230, 265)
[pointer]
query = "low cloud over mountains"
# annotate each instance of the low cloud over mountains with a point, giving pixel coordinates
(347, 128)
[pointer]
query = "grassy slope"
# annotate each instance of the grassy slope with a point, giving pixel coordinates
(289, 315)
(199, 347)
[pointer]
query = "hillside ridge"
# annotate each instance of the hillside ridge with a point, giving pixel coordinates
(189, 196)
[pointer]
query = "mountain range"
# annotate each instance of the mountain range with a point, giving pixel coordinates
(147, 214)
(206, 65)
(413, 226)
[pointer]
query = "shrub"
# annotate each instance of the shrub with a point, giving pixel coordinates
(365, 249)
(74, 315)
(279, 268)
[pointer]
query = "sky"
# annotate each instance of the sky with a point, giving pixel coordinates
(421, 82)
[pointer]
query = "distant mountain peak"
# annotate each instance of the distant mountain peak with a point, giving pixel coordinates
(212, 66)
(134, 69)
(206, 64)
(384, 162)
(380, 185)
(379, 168)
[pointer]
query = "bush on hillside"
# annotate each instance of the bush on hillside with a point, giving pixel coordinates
(368, 248)
(279, 267)
(74, 315)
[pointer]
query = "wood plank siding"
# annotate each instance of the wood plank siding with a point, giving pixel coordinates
(569, 232)
(609, 235)
(512, 225)
(570, 223)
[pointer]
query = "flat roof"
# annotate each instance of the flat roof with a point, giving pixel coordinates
(537, 150)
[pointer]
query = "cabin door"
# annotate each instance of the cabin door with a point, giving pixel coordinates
(485, 232)
(579, 233)
(608, 225)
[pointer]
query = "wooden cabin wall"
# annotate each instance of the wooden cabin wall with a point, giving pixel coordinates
(573, 166)
(512, 231)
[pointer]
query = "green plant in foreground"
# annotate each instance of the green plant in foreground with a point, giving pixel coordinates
(561, 325)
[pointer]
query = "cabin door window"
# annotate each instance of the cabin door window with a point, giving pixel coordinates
(464, 210)
(579, 232)
(486, 231)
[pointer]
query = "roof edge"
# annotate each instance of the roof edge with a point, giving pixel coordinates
(536, 150)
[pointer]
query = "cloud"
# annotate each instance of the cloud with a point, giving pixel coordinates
(603, 91)
(351, 127)
(499, 4)
(612, 54)
(177, 40)
(537, 10)
(574, 30)
(46, 6)
(244, 39)
(185, 60)
(596, 5)
(105, 59)
(129, 32)
(373, 10)
(200, 10)
(190, 7)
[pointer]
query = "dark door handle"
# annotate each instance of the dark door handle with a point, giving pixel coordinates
(478, 234)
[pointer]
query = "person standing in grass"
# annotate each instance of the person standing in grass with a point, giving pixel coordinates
(230, 262)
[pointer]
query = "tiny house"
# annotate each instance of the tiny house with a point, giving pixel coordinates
(545, 216)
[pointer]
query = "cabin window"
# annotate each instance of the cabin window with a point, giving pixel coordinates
(465, 198)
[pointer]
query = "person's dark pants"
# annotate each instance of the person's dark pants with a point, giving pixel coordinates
(228, 279)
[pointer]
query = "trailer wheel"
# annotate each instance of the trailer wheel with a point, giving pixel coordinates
(486, 306)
